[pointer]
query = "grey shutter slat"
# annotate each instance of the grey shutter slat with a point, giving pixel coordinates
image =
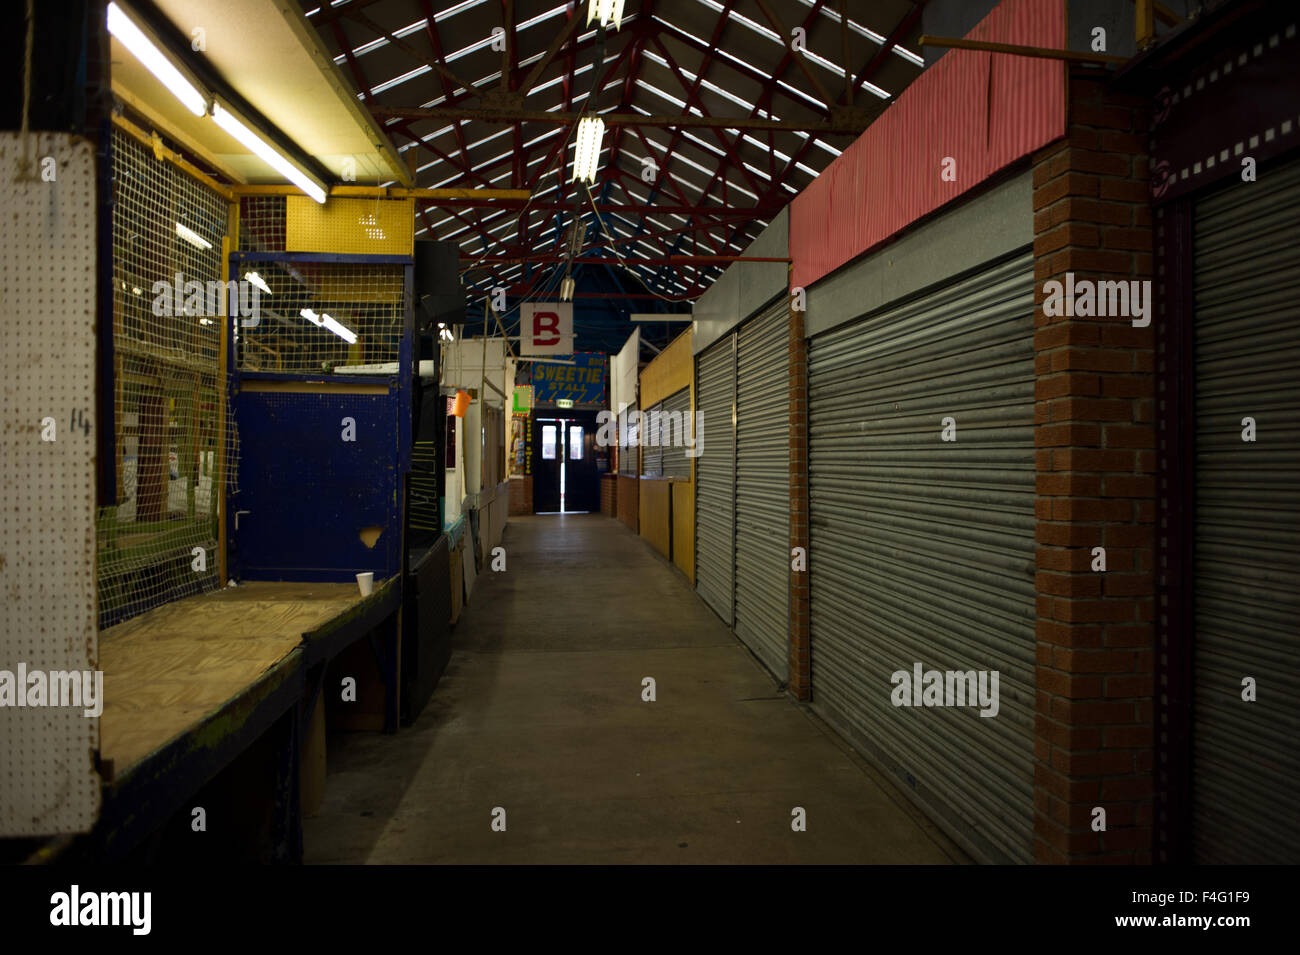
(1246, 581)
(652, 452)
(715, 476)
(763, 487)
(676, 463)
(628, 454)
(922, 551)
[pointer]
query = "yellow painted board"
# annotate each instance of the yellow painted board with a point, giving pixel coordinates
(349, 226)
(655, 522)
(670, 371)
(684, 528)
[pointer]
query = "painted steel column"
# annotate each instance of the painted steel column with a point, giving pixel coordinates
(800, 673)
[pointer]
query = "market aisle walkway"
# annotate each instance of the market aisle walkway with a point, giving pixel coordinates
(540, 713)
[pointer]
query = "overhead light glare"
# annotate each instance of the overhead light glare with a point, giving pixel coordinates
(267, 153)
(154, 60)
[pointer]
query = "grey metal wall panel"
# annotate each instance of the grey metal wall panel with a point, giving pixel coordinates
(717, 311)
(676, 463)
(922, 551)
(1246, 582)
(996, 222)
(763, 487)
(745, 287)
(715, 477)
(760, 282)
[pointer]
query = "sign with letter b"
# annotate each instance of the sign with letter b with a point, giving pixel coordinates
(546, 328)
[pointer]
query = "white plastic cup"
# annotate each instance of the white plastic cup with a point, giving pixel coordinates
(366, 582)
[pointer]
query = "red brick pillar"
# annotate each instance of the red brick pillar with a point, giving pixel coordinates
(800, 660)
(1095, 488)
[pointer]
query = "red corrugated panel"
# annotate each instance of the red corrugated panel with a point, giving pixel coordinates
(984, 110)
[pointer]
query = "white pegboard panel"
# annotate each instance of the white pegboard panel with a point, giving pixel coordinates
(48, 782)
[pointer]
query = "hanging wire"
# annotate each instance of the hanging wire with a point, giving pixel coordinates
(613, 247)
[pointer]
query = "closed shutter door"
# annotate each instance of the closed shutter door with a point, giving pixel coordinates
(922, 551)
(763, 487)
(629, 461)
(652, 452)
(1246, 760)
(715, 491)
(677, 410)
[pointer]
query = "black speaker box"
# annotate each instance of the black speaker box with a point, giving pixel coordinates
(439, 296)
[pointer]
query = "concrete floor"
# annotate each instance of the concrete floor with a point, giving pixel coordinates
(540, 713)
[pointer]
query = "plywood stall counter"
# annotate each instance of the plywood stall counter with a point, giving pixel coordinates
(167, 670)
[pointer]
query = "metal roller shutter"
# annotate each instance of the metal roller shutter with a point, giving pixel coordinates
(628, 452)
(763, 487)
(922, 551)
(1246, 764)
(715, 475)
(676, 463)
(652, 452)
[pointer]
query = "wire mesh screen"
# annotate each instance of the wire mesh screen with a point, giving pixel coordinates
(316, 317)
(261, 223)
(172, 441)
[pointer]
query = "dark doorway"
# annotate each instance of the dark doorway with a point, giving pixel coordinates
(548, 437)
(564, 463)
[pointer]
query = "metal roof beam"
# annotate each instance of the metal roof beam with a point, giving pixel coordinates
(451, 114)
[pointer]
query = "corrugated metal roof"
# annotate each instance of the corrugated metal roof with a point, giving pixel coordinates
(710, 191)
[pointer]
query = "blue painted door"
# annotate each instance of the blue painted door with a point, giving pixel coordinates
(319, 488)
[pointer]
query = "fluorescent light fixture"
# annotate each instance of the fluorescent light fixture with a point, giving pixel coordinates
(154, 60)
(603, 11)
(267, 153)
(192, 237)
(254, 279)
(324, 321)
(587, 144)
(566, 289)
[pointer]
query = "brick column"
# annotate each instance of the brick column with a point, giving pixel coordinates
(1095, 468)
(800, 659)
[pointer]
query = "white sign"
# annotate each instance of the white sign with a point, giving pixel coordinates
(546, 328)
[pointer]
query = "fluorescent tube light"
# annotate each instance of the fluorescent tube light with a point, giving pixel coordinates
(587, 145)
(192, 237)
(323, 320)
(603, 11)
(154, 60)
(267, 153)
(254, 279)
(347, 334)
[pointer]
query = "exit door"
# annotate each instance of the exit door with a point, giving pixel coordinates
(564, 469)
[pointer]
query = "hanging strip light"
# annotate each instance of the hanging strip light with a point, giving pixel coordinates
(228, 121)
(604, 11)
(155, 60)
(587, 146)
